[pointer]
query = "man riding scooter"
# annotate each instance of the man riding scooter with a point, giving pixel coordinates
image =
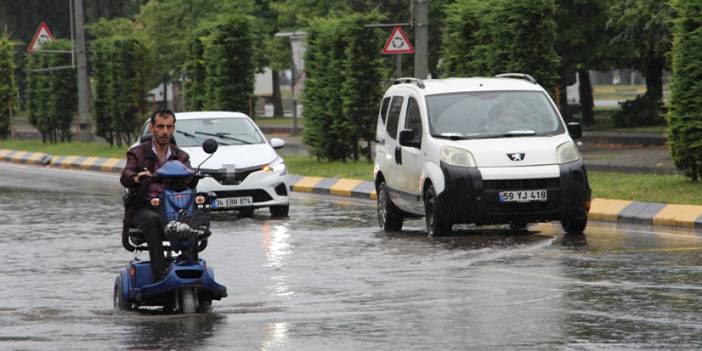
(142, 162)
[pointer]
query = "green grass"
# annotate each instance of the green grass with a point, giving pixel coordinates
(65, 149)
(671, 189)
(309, 166)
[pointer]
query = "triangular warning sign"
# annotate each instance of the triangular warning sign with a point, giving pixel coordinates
(398, 43)
(42, 35)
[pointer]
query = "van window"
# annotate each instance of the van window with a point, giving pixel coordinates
(384, 109)
(492, 114)
(413, 119)
(394, 116)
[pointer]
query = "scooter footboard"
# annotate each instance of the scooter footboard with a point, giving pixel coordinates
(180, 275)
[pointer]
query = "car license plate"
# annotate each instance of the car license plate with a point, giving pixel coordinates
(523, 195)
(235, 201)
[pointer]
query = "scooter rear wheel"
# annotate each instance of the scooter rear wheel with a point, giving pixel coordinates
(119, 302)
(187, 301)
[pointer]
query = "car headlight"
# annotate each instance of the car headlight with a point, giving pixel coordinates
(454, 156)
(567, 152)
(278, 165)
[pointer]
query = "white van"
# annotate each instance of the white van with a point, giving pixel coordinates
(477, 150)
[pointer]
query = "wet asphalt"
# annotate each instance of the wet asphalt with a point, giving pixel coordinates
(327, 279)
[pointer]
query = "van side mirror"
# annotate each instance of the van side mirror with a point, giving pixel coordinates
(407, 138)
(575, 130)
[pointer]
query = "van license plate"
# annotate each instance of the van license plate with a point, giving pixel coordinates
(235, 201)
(523, 195)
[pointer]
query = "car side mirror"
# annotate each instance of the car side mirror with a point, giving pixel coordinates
(210, 146)
(407, 138)
(575, 130)
(277, 143)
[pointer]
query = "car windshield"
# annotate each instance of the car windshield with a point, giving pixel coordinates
(227, 131)
(494, 114)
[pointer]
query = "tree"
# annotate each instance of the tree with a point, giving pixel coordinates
(685, 115)
(498, 36)
(122, 62)
(231, 60)
(52, 95)
(582, 43)
(8, 86)
(642, 29)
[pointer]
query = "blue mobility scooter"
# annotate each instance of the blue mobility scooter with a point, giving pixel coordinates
(188, 285)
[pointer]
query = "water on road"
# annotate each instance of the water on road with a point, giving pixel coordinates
(328, 279)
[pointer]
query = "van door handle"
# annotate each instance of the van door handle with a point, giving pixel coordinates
(380, 141)
(398, 155)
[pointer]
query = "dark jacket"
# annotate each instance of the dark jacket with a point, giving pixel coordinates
(138, 158)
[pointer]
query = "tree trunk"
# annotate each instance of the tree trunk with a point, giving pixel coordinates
(654, 78)
(563, 97)
(586, 98)
(277, 99)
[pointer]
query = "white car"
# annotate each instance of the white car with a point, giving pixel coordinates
(477, 150)
(260, 173)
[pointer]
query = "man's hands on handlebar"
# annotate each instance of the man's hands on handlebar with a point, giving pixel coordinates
(141, 176)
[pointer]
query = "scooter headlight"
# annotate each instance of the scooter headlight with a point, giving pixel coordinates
(454, 156)
(567, 152)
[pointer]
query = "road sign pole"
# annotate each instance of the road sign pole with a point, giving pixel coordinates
(421, 37)
(398, 66)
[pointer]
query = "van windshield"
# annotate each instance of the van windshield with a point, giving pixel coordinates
(493, 114)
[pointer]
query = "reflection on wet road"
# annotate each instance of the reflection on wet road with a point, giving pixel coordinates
(328, 279)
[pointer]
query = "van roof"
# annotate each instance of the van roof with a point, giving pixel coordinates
(453, 85)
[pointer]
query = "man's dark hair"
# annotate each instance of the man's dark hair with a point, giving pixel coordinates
(162, 113)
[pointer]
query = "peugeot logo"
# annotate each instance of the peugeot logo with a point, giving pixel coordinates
(516, 156)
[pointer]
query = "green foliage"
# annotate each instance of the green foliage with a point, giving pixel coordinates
(230, 60)
(642, 111)
(52, 95)
(122, 64)
(8, 85)
(498, 36)
(685, 115)
(343, 85)
(195, 73)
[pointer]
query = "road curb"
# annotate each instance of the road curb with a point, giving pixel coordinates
(15, 156)
(609, 210)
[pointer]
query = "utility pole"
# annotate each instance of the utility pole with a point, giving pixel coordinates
(421, 38)
(85, 133)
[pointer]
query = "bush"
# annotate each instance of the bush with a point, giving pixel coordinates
(8, 85)
(685, 115)
(343, 87)
(52, 94)
(640, 112)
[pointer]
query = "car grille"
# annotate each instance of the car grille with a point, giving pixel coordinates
(239, 175)
(493, 187)
(258, 194)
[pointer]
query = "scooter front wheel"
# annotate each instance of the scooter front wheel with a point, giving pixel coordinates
(187, 301)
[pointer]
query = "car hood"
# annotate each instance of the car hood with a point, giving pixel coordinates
(241, 156)
(534, 151)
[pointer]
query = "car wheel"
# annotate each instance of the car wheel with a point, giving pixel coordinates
(389, 216)
(435, 220)
(279, 211)
(575, 224)
(246, 212)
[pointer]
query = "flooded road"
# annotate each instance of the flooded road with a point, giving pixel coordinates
(328, 279)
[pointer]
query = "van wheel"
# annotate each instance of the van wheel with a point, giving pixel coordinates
(389, 216)
(436, 223)
(574, 225)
